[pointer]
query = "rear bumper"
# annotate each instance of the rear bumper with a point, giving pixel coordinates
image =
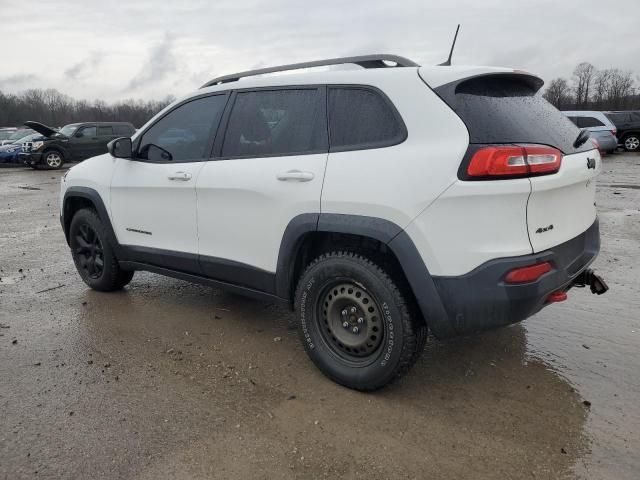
(481, 300)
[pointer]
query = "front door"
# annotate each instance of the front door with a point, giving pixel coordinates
(269, 168)
(153, 196)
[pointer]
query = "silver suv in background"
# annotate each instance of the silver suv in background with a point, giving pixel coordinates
(599, 126)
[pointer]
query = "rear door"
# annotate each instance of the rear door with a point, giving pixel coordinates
(269, 168)
(105, 135)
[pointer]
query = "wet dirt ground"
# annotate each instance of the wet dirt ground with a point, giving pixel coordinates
(172, 380)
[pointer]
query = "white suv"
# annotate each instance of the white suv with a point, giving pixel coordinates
(378, 202)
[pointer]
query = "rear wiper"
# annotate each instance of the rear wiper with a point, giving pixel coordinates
(583, 136)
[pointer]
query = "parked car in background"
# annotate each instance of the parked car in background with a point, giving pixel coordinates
(599, 126)
(5, 133)
(628, 125)
(10, 153)
(73, 142)
(17, 135)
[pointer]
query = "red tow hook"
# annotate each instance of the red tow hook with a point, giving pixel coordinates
(558, 296)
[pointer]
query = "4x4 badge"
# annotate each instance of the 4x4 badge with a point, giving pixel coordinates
(591, 163)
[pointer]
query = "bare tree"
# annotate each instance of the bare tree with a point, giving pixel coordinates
(620, 89)
(558, 93)
(582, 79)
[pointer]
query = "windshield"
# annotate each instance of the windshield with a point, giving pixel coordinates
(68, 130)
(20, 134)
(5, 134)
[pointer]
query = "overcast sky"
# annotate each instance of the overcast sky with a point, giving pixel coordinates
(151, 48)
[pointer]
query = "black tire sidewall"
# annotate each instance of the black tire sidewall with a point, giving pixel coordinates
(89, 217)
(383, 365)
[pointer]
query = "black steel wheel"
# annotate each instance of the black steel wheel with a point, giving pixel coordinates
(89, 251)
(357, 325)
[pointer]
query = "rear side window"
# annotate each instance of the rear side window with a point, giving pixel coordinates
(184, 134)
(362, 118)
(618, 118)
(508, 109)
(276, 122)
(574, 120)
(123, 130)
(106, 131)
(586, 122)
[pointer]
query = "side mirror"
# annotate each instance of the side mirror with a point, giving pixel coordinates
(120, 147)
(79, 134)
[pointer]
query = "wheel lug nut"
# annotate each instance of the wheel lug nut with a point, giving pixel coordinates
(353, 310)
(355, 330)
(345, 324)
(360, 320)
(344, 312)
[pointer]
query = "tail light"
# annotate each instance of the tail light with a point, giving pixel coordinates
(614, 132)
(527, 274)
(596, 143)
(514, 161)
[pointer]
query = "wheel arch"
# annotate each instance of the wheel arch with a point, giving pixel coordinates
(308, 235)
(76, 198)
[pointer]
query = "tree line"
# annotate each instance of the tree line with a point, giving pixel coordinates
(57, 109)
(593, 89)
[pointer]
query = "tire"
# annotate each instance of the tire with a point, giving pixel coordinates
(93, 255)
(631, 142)
(52, 159)
(388, 339)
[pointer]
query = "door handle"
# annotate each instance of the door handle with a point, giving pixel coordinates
(296, 175)
(184, 176)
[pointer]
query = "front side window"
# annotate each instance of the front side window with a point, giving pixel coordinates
(362, 118)
(86, 132)
(275, 122)
(184, 133)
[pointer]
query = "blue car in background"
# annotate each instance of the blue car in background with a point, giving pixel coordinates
(10, 153)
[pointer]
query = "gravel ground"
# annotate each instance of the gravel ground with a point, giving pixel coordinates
(172, 380)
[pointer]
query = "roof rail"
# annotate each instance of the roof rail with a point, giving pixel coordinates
(365, 61)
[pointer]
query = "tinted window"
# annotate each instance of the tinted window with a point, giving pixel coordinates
(574, 120)
(635, 116)
(362, 118)
(275, 122)
(618, 118)
(87, 132)
(500, 109)
(123, 130)
(586, 122)
(184, 132)
(106, 131)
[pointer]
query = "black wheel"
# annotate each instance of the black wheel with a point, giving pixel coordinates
(355, 323)
(632, 142)
(52, 159)
(93, 254)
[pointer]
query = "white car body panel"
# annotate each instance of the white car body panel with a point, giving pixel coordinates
(145, 199)
(244, 209)
(397, 183)
(565, 200)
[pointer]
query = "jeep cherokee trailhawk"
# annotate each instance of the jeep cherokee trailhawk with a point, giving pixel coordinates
(378, 203)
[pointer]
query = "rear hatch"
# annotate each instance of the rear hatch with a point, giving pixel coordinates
(506, 109)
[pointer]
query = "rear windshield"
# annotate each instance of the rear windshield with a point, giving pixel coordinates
(508, 110)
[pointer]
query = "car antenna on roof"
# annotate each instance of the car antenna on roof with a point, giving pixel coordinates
(448, 62)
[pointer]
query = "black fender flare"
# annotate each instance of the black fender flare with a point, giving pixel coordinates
(94, 197)
(415, 270)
